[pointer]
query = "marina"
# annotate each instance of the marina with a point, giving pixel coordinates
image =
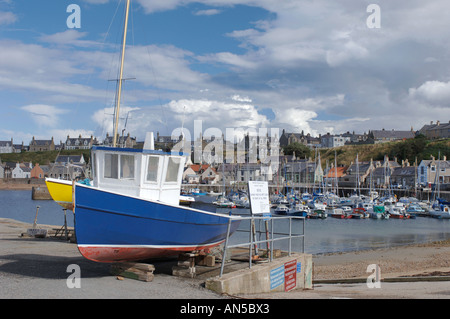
(322, 235)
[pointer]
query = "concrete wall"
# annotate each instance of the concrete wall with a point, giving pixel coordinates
(268, 277)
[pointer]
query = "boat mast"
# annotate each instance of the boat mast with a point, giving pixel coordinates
(119, 90)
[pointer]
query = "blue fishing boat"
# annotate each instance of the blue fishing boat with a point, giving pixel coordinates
(132, 210)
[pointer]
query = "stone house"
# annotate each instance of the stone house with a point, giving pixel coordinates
(42, 145)
(68, 167)
(404, 176)
(79, 143)
(122, 141)
(436, 130)
(6, 146)
(357, 171)
(383, 136)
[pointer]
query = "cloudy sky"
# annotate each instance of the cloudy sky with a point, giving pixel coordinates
(302, 65)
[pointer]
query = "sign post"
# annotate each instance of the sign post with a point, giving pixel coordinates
(259, 204)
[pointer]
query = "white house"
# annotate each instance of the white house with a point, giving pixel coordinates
(21, 171)
(331, 141)
(210, 175)
(254, 172)
(190, 176)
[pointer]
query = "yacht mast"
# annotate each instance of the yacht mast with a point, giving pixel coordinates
(119, 90)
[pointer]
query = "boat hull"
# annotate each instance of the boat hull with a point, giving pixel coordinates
(111, 227)
(60, 191)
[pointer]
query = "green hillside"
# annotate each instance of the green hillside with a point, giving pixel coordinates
(43, 158)
(419, 148)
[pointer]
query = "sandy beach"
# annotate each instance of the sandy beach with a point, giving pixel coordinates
(412, 260)
(25, 261)
(17, 185)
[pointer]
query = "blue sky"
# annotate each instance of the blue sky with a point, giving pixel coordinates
(312, 66)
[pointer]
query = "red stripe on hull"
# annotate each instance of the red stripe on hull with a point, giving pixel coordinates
(120, 254)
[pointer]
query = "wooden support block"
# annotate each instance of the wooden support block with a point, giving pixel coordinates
(208, 260)
(138, 271)
(140, 266)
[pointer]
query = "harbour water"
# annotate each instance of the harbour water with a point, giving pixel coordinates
(322, 235)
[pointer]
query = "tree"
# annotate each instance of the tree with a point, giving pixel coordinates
(299, 149)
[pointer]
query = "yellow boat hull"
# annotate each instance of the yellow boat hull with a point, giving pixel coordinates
(61, 191)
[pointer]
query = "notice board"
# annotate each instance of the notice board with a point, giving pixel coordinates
(259, 198)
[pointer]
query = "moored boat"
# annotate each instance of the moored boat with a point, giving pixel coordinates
(337, 213)
(317, 214)
(281, 209)
(440, 212)
(299, 210)
(61, 191)
(223, 202)
(378, 212)
(359, 213)
(186, 200)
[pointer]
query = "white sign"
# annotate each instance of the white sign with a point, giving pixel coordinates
(259, 198)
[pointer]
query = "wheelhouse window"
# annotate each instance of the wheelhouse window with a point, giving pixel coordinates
(111, 166)
(94, 165)
(172, 169)
(152, 169)
(126, 166)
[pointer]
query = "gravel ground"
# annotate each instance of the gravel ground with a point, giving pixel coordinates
(37, 268)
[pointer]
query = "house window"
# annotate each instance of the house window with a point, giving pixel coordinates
(422, 170)
(152, 169)
(433, 168)
(172, 169)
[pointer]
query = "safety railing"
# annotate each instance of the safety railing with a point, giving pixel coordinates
(271, 236)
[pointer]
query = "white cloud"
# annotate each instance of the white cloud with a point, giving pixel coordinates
(7, 18)
(239, 98)
(68, 37)
(208, 12)
(296, 120)
(308, 61)
(432, 91)
(44, 115)
(104, 118)
(220, 114)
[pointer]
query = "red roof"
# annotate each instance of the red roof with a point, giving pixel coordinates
(197, 167)
(339, 172)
